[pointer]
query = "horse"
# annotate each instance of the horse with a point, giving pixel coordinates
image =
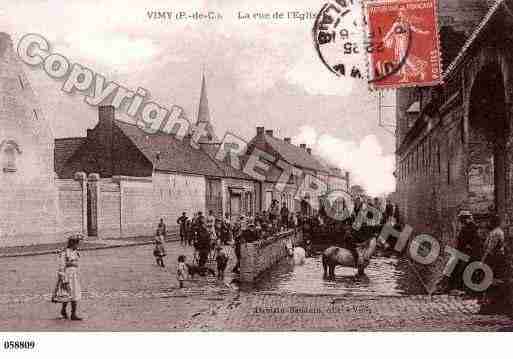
(334, 256)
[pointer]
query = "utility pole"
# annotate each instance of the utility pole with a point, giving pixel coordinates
(389, 127)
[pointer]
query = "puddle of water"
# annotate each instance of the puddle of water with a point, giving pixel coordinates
(383, 277)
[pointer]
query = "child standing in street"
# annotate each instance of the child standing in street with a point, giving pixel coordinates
(181, 271)
(222, 262)
(159, 252)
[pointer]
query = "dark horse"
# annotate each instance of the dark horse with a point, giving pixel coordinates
(336, 256)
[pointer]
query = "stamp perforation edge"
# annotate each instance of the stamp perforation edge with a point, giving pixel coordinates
(365, 28)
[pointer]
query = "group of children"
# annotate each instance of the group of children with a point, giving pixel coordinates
(186, 270)
(208, 234)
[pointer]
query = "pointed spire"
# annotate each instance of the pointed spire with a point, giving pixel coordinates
(204, 114)
(203, 110)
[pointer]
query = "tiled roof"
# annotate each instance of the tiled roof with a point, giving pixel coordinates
(229, 171)
(295, 155)
(64, 149)
(174, 155)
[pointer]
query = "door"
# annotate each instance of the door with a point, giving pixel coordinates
(92, 213)
(235, 205)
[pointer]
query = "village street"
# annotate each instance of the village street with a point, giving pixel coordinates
(124, 290)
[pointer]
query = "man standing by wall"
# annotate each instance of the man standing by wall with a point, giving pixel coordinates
(182, 222)
(161, 229)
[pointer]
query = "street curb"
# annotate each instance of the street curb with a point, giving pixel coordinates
(54, 251)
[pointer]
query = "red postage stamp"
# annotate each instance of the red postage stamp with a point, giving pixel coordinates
(406, 47)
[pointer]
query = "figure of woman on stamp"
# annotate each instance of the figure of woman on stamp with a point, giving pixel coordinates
(399, 37)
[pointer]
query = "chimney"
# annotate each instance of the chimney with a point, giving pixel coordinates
(269, 133)
(309, 150)
(260, 130)
(106, 113)
(105, 132)
(303, 146)
(287, 139)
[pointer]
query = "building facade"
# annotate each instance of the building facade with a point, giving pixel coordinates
(134, 179)
(454, 143)
(29, 205)
(308, 179)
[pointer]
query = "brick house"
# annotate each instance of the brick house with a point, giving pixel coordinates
(446, 156)
(236, 193)
(135, 178)
(141, 177)
(454, 140)
(240, 193)
(307, 172)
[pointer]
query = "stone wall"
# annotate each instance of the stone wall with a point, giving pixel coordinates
(177, 193)
(257, 257)
(460, 174)
(109, 219)
(131, 206)
(28, 196)
(137, 213)
(73, 204)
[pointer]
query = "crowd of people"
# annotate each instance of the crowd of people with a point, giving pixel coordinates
(488, 248)
(210, 235)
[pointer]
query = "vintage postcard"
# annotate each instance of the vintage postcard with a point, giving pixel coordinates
(310, 165)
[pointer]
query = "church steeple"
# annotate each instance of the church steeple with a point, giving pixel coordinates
(204, 115)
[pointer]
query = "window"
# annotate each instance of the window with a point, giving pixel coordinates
(426, 157)
(416, 159)
(438, 159)
(248, 205)
(429, 156)
(448, 171)
(423, 158)
(10, 151)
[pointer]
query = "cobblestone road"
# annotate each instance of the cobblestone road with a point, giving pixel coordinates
(323, 313)
(123, 289)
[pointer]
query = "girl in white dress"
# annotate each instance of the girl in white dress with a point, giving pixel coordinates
(181, 270)
(68, 277)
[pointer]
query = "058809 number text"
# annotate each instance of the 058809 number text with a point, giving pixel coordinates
(19, 345)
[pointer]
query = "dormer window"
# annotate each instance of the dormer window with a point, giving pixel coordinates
(10, 151)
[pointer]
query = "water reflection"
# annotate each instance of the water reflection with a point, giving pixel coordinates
(385, 276)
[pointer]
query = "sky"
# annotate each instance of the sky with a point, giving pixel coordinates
(258, 72)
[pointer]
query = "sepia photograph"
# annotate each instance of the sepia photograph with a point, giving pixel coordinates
(238, 166)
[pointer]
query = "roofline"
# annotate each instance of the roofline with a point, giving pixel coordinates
(243, 179)
(296, 148)
(218, 164)
(469, 42)
(155, 168)
(186, 172)
(70, 138)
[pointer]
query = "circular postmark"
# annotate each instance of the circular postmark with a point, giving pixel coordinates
(338, 37)
(345, 40)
